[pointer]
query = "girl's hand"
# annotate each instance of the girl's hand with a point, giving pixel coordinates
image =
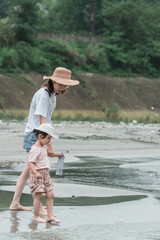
(54, 154)
(38, 175)
(61, 155)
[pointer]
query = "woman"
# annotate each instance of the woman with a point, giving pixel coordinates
(42, 106)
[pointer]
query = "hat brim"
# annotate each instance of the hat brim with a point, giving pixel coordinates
(52, 135)
(62, 81)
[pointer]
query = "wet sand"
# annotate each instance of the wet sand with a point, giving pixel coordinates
(87, 211)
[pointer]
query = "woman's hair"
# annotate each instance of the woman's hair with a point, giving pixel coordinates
(49, 85)
(37, 132)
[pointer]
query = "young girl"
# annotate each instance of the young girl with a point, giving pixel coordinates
(39, 178)
(42, 106)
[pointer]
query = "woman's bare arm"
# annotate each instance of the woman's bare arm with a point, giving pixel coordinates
(42, 119)
(50, 149)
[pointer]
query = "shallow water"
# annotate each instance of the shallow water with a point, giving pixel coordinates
(109, 189)
(120, 217)
(136, 173)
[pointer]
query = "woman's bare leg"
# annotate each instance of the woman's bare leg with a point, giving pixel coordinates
(15, 204)
(49, 204)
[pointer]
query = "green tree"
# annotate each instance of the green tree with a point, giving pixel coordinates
(70, 16)
(132, 30)
(24, 19)
(4, 7)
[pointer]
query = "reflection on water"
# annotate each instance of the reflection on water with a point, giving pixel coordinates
(33, 225)
(40, 235)
(14, 222)
(16, 226)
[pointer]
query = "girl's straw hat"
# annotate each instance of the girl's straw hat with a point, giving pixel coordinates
(62, 76)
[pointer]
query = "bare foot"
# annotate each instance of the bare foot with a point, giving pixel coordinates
(19, 207)
(43, 211)
(39, 219)
(53, 219)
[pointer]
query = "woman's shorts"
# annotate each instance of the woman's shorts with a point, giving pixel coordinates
(43, 185)
(29, 140)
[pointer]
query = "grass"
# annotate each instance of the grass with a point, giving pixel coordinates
(86, 115)
(141, 116)
(12, 114)
(77, 115)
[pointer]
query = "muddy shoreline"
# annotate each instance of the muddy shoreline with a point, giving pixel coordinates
(110, 186)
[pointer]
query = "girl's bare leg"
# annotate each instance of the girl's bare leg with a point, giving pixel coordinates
(15, 204)
(49, 204)
(42, 210)
(37, 204)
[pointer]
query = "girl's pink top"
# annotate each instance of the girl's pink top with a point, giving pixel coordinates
(38, 155)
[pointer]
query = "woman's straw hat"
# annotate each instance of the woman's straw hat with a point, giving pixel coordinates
(62, 76)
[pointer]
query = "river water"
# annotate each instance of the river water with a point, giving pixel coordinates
(109, 188)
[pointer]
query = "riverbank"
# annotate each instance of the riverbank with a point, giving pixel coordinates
(96, 92)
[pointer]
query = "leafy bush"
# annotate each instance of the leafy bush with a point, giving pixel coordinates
(112, 112)
(6, 33)
(8, 58)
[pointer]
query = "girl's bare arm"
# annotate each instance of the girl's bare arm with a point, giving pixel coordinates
(33, 169)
